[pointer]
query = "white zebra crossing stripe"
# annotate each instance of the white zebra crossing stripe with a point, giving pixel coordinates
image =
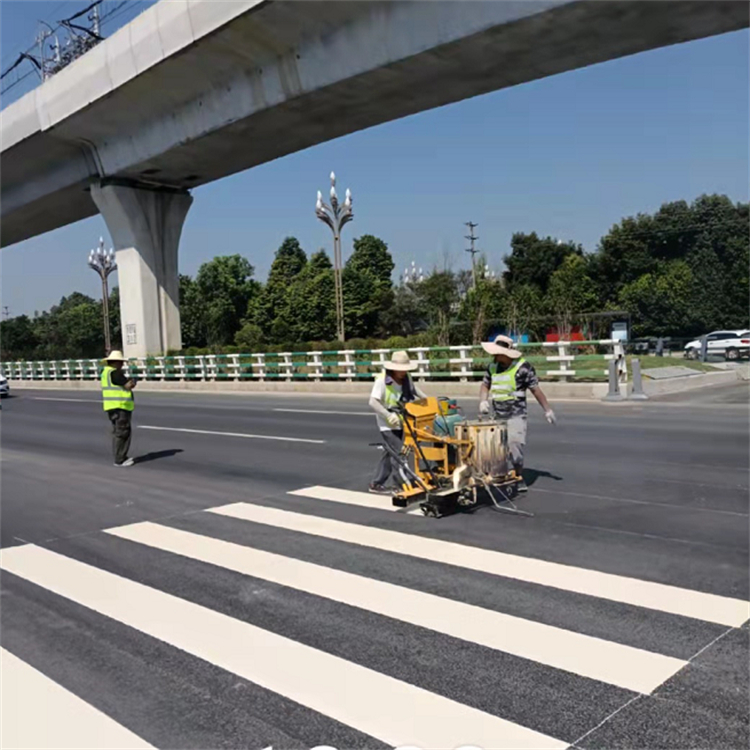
(657, 596)
(347, 497)
(624, 666)
(385, 708)
(38, 713)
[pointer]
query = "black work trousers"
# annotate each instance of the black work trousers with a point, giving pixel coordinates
(120, 419)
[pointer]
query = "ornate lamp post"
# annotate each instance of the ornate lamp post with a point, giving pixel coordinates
(336, 216)
(103, 262)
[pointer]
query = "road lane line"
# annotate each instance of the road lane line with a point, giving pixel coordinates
(76, 400)
(383, 707)
(39, 713)
(657, 596)
(595, 658)
(347, 497)
(230, 434)
(328, 411)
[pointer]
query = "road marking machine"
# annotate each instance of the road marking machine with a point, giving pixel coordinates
(449, 464)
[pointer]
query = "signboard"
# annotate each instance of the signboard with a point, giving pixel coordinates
(130, 334)
(620, 331)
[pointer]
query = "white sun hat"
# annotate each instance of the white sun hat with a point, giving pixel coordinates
(400, 361)
(501, 345)
(115, 356)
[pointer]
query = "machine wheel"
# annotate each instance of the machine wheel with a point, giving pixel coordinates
(732, 355)
(691, 354)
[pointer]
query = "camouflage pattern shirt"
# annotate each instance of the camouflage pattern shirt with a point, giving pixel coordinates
(526, 378)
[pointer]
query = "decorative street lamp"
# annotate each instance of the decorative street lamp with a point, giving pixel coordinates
(103, 262)
(336, 216)
(412, 275)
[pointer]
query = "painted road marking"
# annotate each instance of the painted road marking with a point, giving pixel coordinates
(383, 707)
(625, 666)
(617, 588)
(231, 434)
(76, 400)
(328, 411)
(39, 713)
(347, 497)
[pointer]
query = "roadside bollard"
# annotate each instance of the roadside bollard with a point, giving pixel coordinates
(614, 383)
(637, 394)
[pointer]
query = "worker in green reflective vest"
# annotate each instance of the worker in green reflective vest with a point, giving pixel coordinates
(118, 401)
(503, 393)
(391, 389)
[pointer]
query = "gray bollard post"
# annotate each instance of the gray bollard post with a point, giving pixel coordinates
(614, 383)
(637, 394)
(704, 348)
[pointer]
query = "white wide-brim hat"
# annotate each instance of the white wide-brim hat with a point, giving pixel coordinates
(501, 345)
(400, 361)
(115, 356)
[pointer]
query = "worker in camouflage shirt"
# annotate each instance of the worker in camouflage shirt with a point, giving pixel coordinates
(503, 392)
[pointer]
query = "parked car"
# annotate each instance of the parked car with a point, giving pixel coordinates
(4, 387)
(732, 344)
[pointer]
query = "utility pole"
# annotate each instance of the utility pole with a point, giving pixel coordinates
(472, 226)
(6, 312)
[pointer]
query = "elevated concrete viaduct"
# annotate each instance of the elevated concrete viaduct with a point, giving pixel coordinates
(194, 90)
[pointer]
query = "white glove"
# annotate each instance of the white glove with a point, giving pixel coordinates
(393, 421)
(549, 415)
(484, 407)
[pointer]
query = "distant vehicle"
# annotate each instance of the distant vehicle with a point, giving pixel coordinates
(4, 387)
(732, 344)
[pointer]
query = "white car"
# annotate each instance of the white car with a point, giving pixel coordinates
(732, 344)
(4, 387)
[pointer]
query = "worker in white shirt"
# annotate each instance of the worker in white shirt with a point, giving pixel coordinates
(391, 389)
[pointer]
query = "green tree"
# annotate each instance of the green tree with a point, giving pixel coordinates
(405, 315)
(192, 314)
(710, 235)
(660, 302)
(439, 299)
(18, 339)
(270, 309)
(371, 255)
(224, 287)
(367, 286)
(571, 291)
(522, 308)
(310, 301)
(534, 259)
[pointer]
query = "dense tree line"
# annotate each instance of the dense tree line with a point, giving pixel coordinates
(680, 271)
(73, 329)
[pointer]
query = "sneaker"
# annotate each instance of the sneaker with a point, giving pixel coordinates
(522, 486)
(127, 462)
(379, 489)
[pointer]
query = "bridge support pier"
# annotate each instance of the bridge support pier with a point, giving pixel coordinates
(145, 225)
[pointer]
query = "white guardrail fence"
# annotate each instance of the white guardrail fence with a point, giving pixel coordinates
(559, 360)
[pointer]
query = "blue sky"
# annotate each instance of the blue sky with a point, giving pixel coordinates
(566, 156)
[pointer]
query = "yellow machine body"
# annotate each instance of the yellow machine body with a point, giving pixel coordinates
(477, 455)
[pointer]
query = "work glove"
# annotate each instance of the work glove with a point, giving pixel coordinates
(393, 421)
(549, 415)
(484, 407)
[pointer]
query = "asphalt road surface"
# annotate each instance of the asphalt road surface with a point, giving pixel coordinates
(195, 601)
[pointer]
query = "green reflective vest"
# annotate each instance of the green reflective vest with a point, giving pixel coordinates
(393, 396)
(115, 396)
(504, 384)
